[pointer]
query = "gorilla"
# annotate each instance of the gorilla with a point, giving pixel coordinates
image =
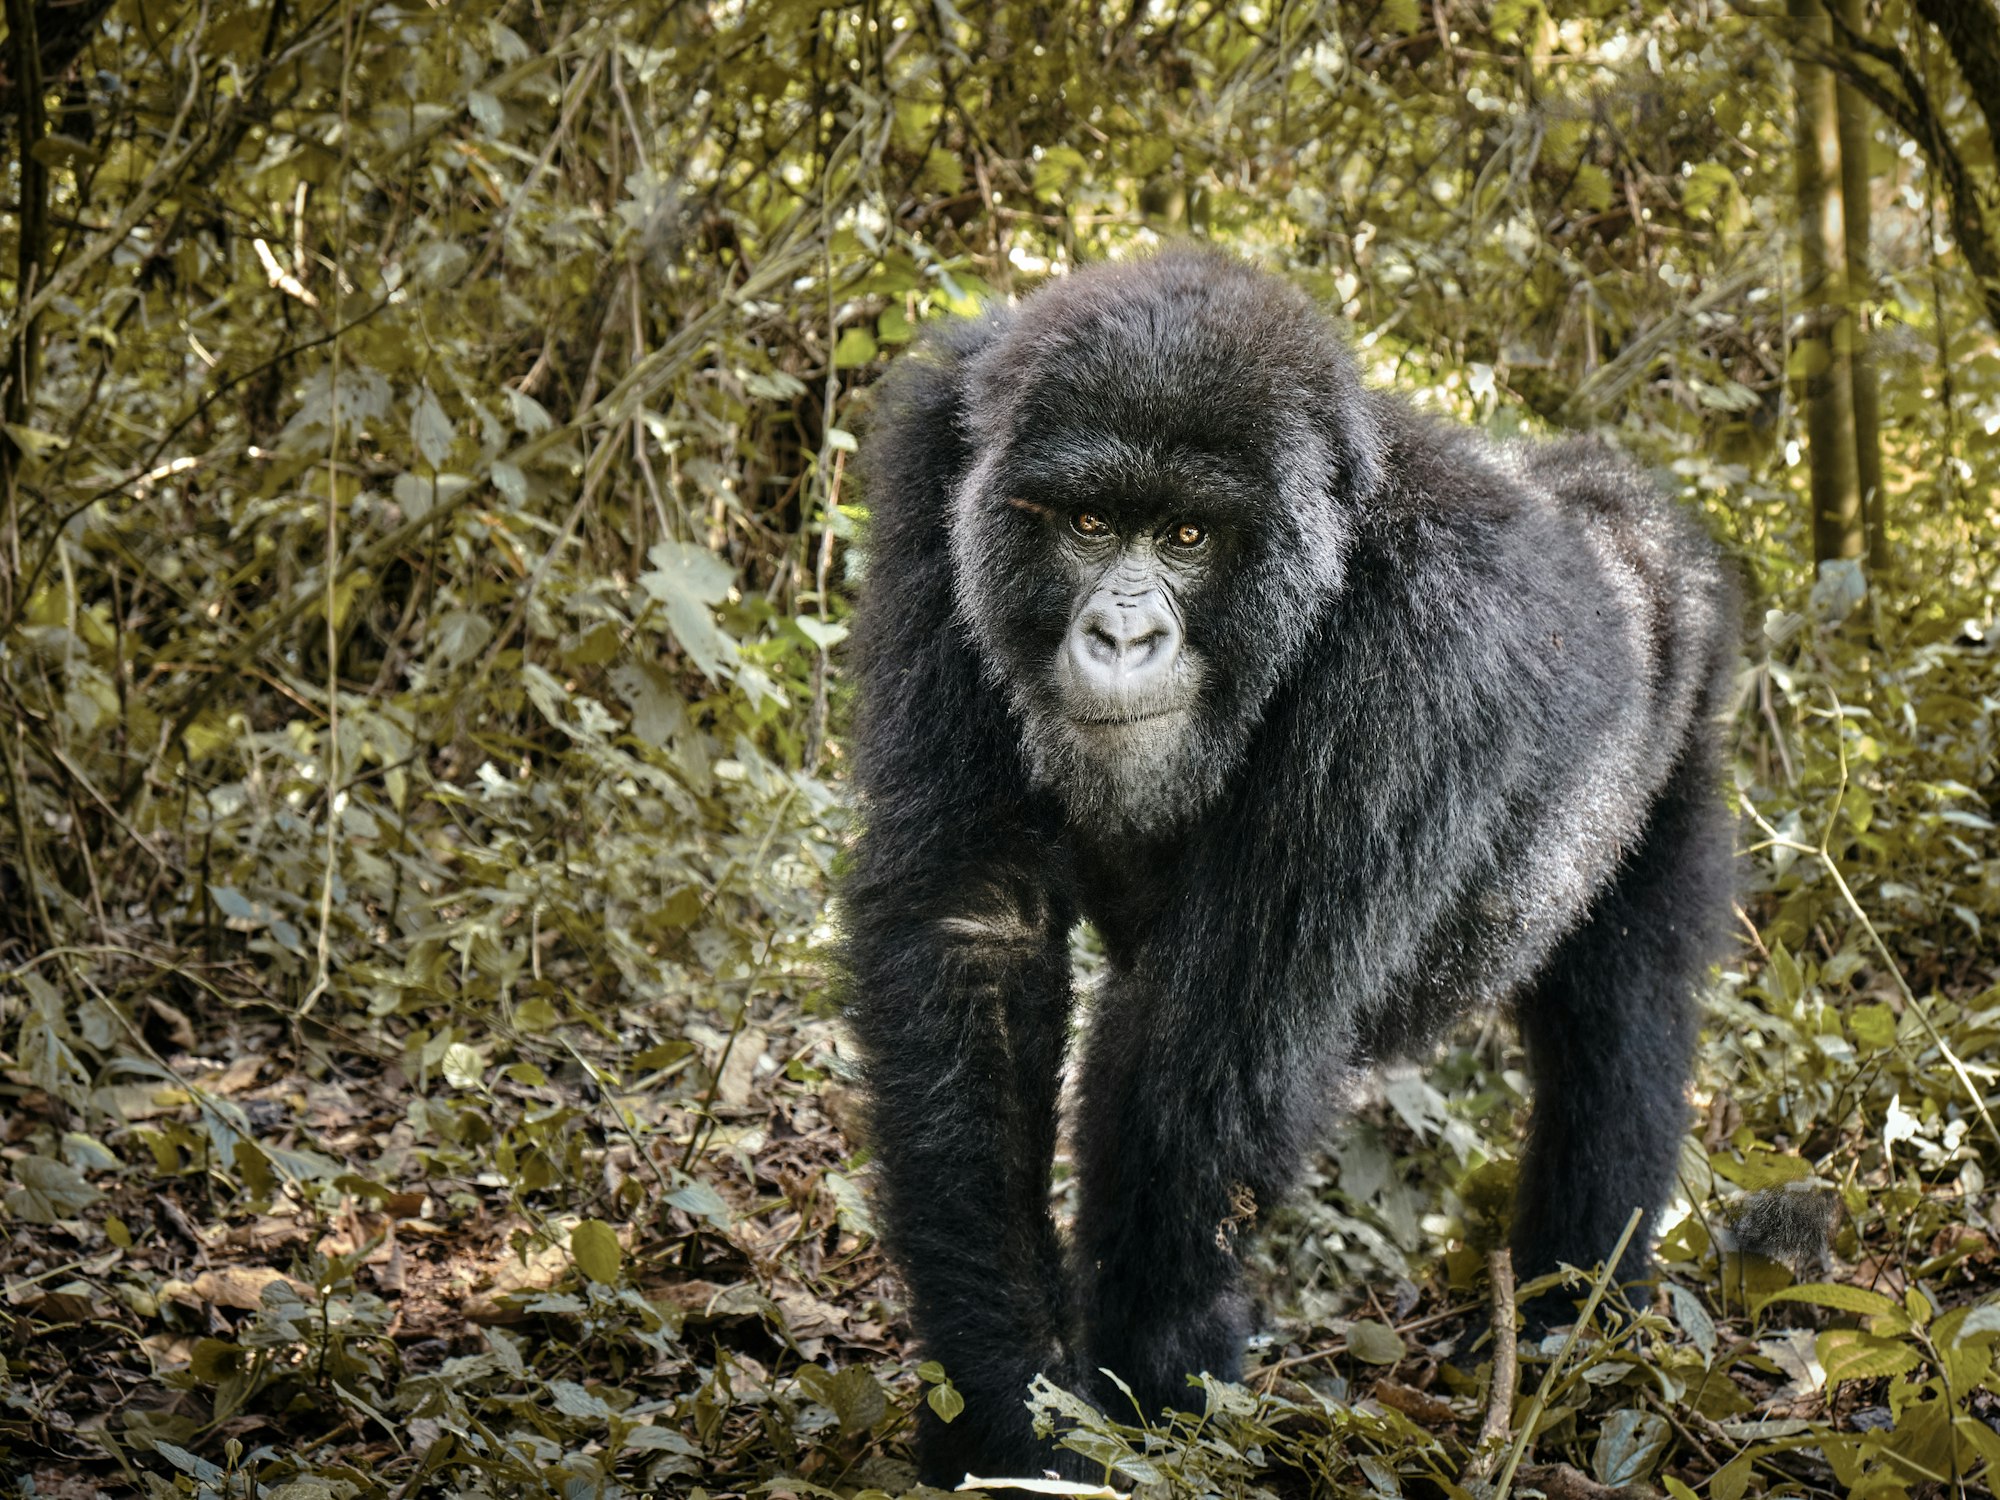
(1336, 721)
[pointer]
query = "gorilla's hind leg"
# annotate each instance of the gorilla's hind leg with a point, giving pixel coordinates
(1610, 1029)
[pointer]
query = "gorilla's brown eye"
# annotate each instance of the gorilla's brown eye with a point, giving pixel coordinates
(1089, 523)
(1187, 534)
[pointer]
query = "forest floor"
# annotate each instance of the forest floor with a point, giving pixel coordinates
(394, 1309)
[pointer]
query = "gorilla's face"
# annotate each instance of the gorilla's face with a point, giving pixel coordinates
(1156, 512)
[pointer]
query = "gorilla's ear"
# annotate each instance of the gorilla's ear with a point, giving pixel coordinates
(1354, 425)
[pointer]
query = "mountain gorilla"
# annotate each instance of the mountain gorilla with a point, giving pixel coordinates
(1336, 721)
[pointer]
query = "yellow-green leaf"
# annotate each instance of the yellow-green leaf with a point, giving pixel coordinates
(1849, 1354)
(594, 1246)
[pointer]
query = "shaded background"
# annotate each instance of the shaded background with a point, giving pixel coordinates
(422, 572)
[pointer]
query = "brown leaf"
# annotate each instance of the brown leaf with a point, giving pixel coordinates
(240, 1287)
(1419, 1406)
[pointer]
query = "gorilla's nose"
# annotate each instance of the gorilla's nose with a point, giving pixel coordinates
(1122, 647)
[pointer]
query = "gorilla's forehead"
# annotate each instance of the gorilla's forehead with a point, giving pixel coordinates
(1059, 464)
(1185, 384)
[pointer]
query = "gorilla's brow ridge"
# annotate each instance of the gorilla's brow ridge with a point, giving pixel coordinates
(1100, 464)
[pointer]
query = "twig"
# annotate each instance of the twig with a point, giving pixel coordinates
(1493, 1432)
(322, 946)
(1314, 1356)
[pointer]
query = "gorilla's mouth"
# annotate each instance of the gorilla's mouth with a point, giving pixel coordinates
(1122, 721)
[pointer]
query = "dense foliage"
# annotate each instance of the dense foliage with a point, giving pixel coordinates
(425, 538)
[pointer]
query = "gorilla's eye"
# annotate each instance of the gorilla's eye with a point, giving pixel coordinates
(1089, 523)
(1187, 534)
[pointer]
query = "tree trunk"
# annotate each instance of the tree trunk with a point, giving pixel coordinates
(1856, 137)
(1825, 348)
(24, 356)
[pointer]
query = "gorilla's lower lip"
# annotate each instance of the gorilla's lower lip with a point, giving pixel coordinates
(1123, 720)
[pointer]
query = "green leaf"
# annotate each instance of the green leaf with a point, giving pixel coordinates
(1872, 1026)
(658, 713)
(687, 581)
(1849, 1354)
(853, 1395)
(462, 1066)
(1708, 190)
(58, 150)
(48, 1190)
(1982, 1321)
(820, 633)
(1510, 18)
(653, 1438)
(703, 1201)
(430, 429)
(487, 110)
(1375, 1343)
(213, 1360)
(33, 441)
(945, 1400)
(510, 482)
(1851, 1299)
(1593, 186)
(856, 347)
(1760, 1168)
(1694, 1320)
(530, 416)
(1732, 1479)
(593, 1244)
(573, 1400)
(1629, 1445)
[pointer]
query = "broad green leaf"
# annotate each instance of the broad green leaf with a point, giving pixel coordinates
(47, 1190)
(1708, 190)
(593, 1244)
(530, 416)
(430, 429)
(1982, 1321)
(1872, 1026)
(856, 347)
(463, 1067)
(820, 633)
(33, 441)
(1852, 1299)
(688, 580)
(574, 1400)
(1694, 1320)
(1628, 1447)
(945, 1400)
(212, 1360)
(1849, 1354)
(510, 482)
(1374, 1342)
(856, 1398)
(654, 1438)
(703, 1201)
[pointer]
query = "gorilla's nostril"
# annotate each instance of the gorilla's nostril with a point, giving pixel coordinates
(1120, 647)
(1103, 644)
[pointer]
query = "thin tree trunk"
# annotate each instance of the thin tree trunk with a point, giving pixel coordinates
(1856, 183)
(1825, 348)
(24, 356)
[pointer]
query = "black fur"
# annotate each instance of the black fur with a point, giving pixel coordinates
(1444, 736)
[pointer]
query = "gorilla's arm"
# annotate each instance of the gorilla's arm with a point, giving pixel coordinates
(956, 936)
